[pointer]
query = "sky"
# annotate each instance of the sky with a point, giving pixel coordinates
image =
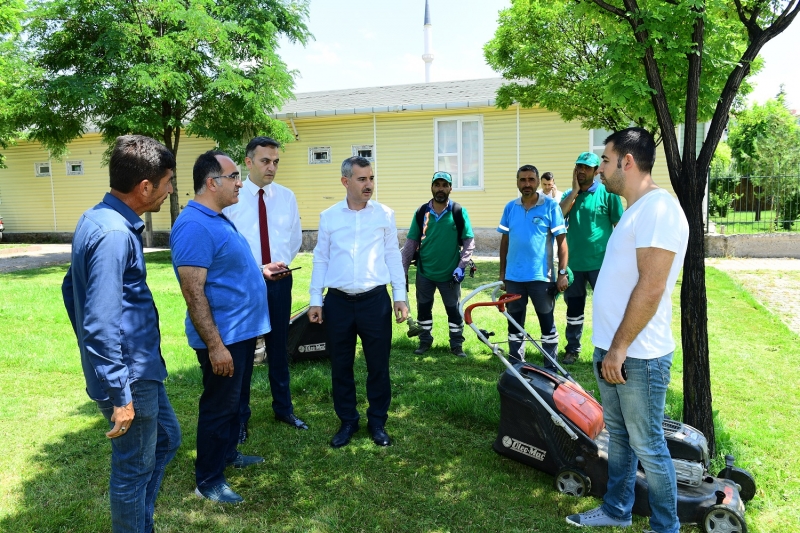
(366, 43)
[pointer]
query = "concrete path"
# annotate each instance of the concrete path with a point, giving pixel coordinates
(38, 255)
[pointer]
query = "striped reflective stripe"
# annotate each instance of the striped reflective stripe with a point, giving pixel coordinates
(550, 339)
(575, 321)
(558, 228)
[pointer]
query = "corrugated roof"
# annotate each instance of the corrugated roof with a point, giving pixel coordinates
(393, 98)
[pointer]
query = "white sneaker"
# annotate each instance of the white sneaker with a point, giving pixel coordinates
(596, 518)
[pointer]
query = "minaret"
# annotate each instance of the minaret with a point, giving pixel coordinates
(427, 57)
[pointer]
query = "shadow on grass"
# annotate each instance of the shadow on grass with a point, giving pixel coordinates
(37, 272)
(441, 474)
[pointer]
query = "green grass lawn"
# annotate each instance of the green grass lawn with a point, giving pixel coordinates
(441, 474)
(744, 222)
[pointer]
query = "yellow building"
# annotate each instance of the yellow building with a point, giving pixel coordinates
(411, 131)
(408, 131)
(40, 194)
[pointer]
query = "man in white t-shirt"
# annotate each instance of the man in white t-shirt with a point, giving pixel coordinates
(632, 336)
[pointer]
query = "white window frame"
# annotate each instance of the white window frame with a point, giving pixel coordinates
(313, 150)
(71, 171)
(37, 167)
(457, 178)
(358, 147)
(594, 148)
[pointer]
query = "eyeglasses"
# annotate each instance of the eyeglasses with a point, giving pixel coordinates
(235, 176)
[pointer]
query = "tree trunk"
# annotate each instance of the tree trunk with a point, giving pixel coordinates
(697, 411)
(174, 205)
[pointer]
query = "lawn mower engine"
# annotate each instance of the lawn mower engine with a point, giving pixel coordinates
(689, 450)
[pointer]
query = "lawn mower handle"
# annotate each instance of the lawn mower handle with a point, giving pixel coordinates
(500, 304)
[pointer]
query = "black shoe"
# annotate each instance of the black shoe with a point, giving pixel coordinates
(242, 432)
(422, 349)
(344, 434)
(292, 421)
(379, 436)
(243, 461)
(458, 351)
(221, 493)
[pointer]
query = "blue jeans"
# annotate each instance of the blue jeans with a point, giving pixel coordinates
(543, 304)
(633, 413)
(140, 456)
(575, 298)
(450, 292)
(218, 419)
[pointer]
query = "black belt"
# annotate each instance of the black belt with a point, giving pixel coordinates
(357, 296)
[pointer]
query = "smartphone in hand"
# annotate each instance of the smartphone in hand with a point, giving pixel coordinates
(600, 371)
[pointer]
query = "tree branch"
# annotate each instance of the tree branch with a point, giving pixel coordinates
(695, 60)
(611, 9)
(740, 11)
(720, 119)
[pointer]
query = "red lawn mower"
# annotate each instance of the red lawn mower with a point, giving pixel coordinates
(548, 421)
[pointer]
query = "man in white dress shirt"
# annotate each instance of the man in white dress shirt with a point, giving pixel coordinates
(357, 254)
(267, 216)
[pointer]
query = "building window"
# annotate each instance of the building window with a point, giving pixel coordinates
(700, 136)
(42, 169)
(596, 138)
(319, 155)
(364, 150)
(74, 168)
(459, 150)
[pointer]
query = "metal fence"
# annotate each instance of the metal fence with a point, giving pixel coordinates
(753, 204)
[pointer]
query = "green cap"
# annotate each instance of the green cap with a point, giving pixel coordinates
(589, 159)
(442, 176)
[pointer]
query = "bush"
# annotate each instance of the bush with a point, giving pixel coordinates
(721, 196)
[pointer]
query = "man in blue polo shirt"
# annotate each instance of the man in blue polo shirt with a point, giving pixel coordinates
(591, 212)
(225, 293)
(528, 227)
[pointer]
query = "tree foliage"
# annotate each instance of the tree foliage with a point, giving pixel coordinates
(654, 63)
(14, 73)
(578, 60)
(765, 139)
(161, 68)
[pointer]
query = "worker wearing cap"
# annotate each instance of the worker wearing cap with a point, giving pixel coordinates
(591, 212)
(444, 254)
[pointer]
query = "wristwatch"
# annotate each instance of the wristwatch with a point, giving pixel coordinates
(562, 272)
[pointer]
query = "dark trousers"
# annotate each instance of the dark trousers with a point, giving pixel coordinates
(279, 301)
(451, 294)
(218, 422)
(543, 304)
(575, 298)
(368, 316)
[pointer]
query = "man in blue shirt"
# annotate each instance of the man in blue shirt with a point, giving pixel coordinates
(227, 309)
(115, 321)
(528, 226)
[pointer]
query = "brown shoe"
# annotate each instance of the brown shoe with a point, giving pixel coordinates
(570, 358)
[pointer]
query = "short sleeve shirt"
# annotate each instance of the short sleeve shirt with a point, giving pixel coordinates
(439, 252)
(530, 238)
(656, 220)
(235, 286)
(590, 223)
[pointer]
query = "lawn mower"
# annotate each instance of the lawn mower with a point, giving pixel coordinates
(548, 421)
